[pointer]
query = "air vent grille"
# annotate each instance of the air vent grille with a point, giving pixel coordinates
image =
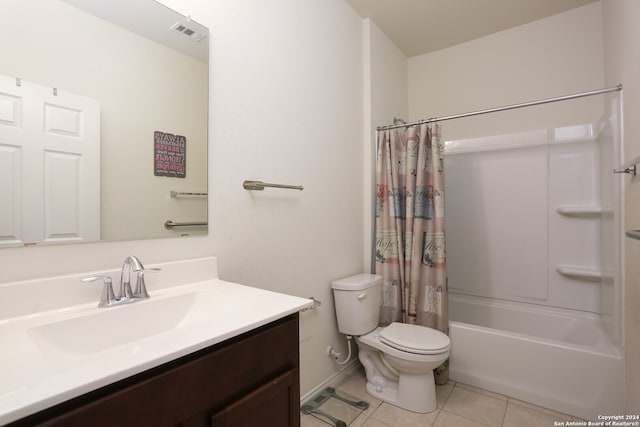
(186, 31)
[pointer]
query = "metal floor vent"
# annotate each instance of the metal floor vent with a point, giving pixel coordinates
(337, 410)
(186, 31)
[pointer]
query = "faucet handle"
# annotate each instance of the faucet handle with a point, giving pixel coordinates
(141, 288)
(108, 296)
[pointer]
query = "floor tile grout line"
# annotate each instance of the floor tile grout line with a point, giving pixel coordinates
(448, 396)
(508, 401)
(537, 408)
(462, 416)
(437, 416)
(453, 386)
(504, 414)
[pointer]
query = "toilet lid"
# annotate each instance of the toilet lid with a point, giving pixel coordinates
(415, 338)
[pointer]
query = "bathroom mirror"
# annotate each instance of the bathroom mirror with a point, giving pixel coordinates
(103, 121)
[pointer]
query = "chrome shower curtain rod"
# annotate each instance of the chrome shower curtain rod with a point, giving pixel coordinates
(506, 107)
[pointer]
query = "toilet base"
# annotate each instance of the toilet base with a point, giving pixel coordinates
(415, 393)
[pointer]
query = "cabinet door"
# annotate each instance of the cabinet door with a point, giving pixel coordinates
(274, 405)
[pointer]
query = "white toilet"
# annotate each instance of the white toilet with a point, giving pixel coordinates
(398, 359)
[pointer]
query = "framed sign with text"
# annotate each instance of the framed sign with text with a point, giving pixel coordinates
(169, 155)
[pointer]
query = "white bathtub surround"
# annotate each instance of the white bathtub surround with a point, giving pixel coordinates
(196, 310)
(544, 206)
(527, 201)
(535, 277)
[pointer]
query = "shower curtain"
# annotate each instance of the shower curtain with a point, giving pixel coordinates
(410, 238)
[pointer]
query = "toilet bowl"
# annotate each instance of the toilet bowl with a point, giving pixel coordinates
(398, 376)
(398, 359)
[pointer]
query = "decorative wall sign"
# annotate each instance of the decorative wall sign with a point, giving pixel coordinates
(169, 155)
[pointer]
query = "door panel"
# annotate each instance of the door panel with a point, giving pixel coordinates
(10, 224)
(56, 184)
(11, 209)
(61, 196)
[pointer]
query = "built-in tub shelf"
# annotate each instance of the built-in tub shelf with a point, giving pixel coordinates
(574, 210)
(579, 272)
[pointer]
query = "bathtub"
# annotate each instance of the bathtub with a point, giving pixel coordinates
(556, 358)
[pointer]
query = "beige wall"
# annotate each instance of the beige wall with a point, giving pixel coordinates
(622, 65)
(550, 57)
(287, 107)
(386, 96)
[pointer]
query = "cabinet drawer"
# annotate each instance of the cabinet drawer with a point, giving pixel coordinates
(275, 404)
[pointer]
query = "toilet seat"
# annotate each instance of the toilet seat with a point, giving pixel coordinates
(414, 338)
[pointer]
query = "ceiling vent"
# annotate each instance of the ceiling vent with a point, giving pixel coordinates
(187, 32)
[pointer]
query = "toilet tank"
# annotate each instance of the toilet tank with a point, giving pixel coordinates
(357, 300)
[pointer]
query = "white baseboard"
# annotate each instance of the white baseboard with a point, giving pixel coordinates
(335, 379)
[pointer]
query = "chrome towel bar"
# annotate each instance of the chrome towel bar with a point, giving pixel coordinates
(634, 234)
(168, 224)
(629, 167)
(182, 193)
(259, 186)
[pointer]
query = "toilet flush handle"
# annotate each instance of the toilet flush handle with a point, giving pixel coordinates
(362, 295)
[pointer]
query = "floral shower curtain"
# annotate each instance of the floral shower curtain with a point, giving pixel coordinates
(410, 238)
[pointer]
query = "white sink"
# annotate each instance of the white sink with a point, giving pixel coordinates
(106, 328)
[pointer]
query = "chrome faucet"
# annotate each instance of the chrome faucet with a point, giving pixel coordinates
(125, 294)
(130, 264)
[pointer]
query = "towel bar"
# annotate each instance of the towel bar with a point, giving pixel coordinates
(629, 167)
(259, 186)
(169, 224)
(183, 193)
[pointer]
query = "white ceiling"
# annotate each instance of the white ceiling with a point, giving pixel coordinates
(421, 26)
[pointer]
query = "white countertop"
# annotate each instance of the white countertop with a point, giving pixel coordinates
(40, 366)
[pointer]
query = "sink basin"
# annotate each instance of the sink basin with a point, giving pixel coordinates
(105, 328)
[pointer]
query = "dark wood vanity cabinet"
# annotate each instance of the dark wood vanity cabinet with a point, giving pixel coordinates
(251, 380)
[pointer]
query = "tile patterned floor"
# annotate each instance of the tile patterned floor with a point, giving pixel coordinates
(459, 405)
